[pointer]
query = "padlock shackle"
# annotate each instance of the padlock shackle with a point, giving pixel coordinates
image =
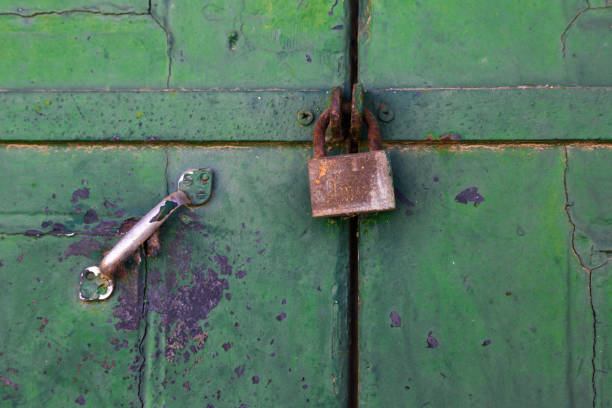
(318, 140)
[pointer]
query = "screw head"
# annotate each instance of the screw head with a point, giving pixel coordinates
(385, 113)
(305, 117)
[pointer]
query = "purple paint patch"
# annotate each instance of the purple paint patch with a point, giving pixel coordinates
(436, 179)
(8, 383)
(255, 379)
(90, 216)
(308, 59)
(228, 296)
(486, 342)
(396, 320)
(108, 204)
(450, 136)
(85, 247)
(432, 342)
(239, 370)
(469, 194)
(224, 267)
(82, 193)
(281, 316)
(105, 227)
(227, 346)
(186, 386)
(240, 274)
(80, 400)
(182, 295)
(284, 302)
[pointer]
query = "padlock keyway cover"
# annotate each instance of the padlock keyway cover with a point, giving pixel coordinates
(351, 184)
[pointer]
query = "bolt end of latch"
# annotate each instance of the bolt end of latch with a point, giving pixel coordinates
(94, 286)
(197, 184)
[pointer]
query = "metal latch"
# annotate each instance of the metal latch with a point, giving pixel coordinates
(194, 189)
(349, 184)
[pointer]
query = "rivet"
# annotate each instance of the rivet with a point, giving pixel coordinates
(305, 117)
(385, 113)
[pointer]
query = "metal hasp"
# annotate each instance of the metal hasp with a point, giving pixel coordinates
(194, 189)
(350, 184)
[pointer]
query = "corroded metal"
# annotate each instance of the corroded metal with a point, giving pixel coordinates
(194, 188)
(351, 183)
(335, 116)
(356, 111)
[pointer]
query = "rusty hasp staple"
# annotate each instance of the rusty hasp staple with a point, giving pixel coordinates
(335, 116)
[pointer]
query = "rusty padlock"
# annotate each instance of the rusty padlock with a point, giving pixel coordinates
(349, 184)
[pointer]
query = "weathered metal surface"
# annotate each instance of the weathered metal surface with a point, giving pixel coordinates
(82, 51)
(497, 114)
(526, 114)
(441, 44)
(174, 44)
(470, 292)
(157, 116)
(56, 350)
(589, 197)
(233, 310)
(28, 8)
(272, 317)
(255, 44)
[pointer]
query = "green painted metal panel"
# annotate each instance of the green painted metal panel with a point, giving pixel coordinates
(496, 114)
(157, 116)
(83, 189)
(256, 44)
(589, 189)
(55, 350)
(470, 293)
(82, 50)
(233, 311)
(278, 336)
(28, 8)
(478, 44)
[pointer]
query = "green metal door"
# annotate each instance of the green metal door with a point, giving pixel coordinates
(104, 104)
(487, 285)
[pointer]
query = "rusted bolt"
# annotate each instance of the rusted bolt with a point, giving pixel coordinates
(305, 117)
(385, 113)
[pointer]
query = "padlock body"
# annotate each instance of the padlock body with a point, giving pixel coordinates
(351, 184)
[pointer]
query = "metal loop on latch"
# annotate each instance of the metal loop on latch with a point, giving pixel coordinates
(335, 116)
